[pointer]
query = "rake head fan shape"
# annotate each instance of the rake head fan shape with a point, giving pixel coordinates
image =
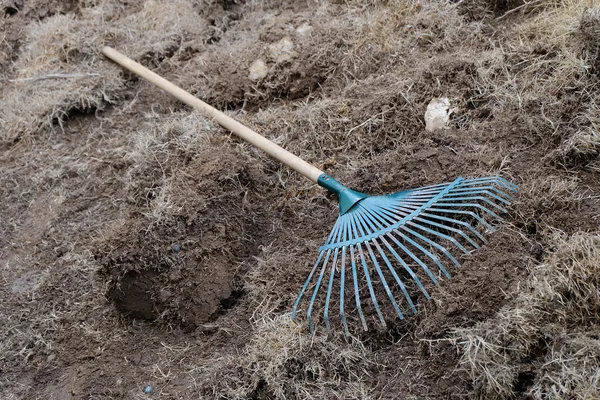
(398, 242)
(397, 237)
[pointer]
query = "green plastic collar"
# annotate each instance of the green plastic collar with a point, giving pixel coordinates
(347, 197)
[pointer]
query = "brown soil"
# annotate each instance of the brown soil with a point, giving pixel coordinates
(142, 245)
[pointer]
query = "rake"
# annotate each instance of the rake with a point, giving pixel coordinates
(399, 241)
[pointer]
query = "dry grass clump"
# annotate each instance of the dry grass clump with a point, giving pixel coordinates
(543, 71)
(281, 362)
(57, 72)
(542, 55)
(545, 344)
(60, 70)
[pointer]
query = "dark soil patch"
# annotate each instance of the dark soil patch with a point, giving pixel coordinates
(183, 269)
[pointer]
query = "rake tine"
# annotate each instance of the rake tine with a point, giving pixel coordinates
(474, 205)
(405, 266)
(383, 281)
(418, 246)
(342, 289)
(449, 228)
(432, 243)
(337, 235)
(401, 209)
(396, 278)
(479, 198)
(330, 288)
(444, 236)
(366, 271)
(414, 258)
(496, 180)
(356, 294)
(367, 221)
(502, 196)
(427, 253)
(308, 280)
(470, 213)
(478, 191)
(314, 268)
(456, 221)
(343, 280)
(315, 292)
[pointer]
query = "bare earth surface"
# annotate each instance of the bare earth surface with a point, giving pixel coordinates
(141, 245)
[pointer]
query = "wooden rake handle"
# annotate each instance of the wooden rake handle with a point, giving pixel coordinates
(289, 159)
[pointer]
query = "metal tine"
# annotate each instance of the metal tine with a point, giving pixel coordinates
(396, 278)
(435, 233)
(498, 192)
(414, 258)
(352, 234)
(331, 276)
(432, 243)
(334, 234)
(421, 192)
(308, 280)
(423, 238)
(356, 294)
(477, 198)
(415, 244)
(365, 268)
(330, 288)
(404, 265)
(443, 236)
(456, 221)
(478, 192)
(496, 180)
(463, 212)
(343, 281)
(449, 228)
(473, 205)
(339, 222)
(501, 181)
(315, 292)
(440, 186)
(457, 231)
(366, 221)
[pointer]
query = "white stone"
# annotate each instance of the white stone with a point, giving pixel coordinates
(282, 50)
(258, 70)
(304, 29)
(437, 114)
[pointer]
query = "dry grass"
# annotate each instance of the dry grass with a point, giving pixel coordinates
(360, 101)
(282, 360)
(60, 70)
(550, 329)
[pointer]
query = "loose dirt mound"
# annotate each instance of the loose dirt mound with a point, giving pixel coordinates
(181, 265)
(145, 252)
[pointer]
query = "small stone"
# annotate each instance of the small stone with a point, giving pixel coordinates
(304, 29)
(437, 114)
(258, 70)
(282, 50)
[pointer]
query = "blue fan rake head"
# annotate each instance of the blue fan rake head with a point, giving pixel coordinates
(396, 243)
